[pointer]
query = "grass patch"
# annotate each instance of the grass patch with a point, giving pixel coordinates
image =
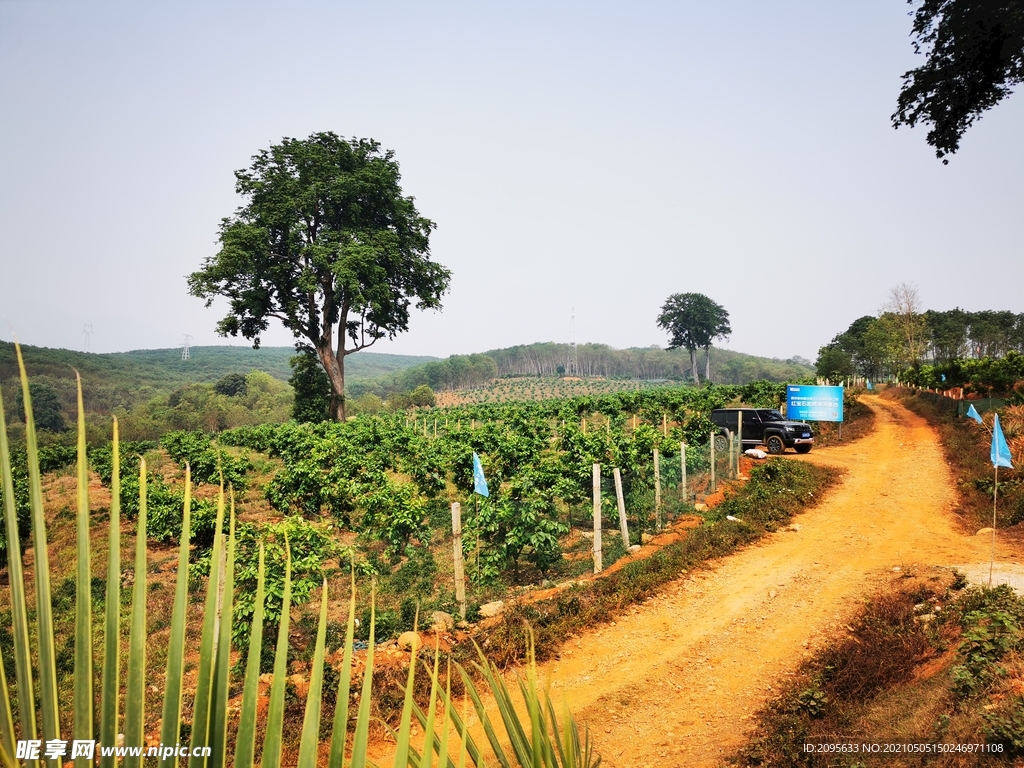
(924, 663)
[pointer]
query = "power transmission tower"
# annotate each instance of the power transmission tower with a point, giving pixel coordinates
(185, 348)
(572, 365)
(87, 333)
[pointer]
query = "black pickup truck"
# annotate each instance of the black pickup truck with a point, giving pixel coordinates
(762, 426)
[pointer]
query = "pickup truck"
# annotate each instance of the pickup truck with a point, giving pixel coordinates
(762, 426)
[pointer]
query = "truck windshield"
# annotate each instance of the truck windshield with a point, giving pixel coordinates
(771, 416)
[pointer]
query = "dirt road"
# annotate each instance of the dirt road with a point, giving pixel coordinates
(674, 682)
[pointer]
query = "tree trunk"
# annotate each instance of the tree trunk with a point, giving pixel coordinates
(707, 363)
(334, 365)
(693, 367)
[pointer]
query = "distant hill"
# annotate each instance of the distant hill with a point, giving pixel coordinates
(124, 379)
(592, 361)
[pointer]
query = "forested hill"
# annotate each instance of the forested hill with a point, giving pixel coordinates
(727, 367)
(593, 360)
(152, 371)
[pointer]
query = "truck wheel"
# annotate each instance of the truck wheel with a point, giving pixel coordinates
(803, 449)
(775, 445)
(721, 444)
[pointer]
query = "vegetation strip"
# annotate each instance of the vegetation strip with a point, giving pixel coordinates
(927, 663)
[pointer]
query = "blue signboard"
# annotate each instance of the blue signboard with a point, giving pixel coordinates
(804, 403)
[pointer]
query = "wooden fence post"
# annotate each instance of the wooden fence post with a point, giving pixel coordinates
(460, 576)
(657, 490)
(682, 465)
(739, 441)
(598, 565)
(622, 507)
(713, 462)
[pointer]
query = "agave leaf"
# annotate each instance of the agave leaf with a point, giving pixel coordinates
(311, 720)
(135, 697)
(207, 645)
(464, 736)
(171, 721)
(275, 713)
(16, 579)
(458, 722)
(442, 747)
(245, 742)
(6, 717)
(360, 737)
(222, 669)
(485, 719)
(339, 727)
(112, 618)
(402, 747)
(428, 752)
(44, 606)
(84, 700)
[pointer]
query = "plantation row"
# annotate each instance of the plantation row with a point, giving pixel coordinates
(389, 480)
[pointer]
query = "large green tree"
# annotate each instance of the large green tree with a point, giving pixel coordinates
(974, 57)
(693, 322)
(328, 244)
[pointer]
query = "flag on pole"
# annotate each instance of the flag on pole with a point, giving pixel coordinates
(1000, 450)
(972, 413)
(479, 481)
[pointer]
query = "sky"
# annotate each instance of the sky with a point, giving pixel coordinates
(574, 155)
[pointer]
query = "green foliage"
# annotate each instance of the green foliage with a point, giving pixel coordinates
(311, 546)
(422, 396)
(311, 385)
(395, 513)
(1005, 726)
(231, 385)
(46, 408)
(208, 462)
(992, 624)
(984, 376)
(198, 407)
(518, 524)
(833, 363)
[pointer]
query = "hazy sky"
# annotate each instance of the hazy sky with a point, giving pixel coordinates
(589, 155)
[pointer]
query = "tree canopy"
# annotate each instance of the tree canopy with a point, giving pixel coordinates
(326, 243)
(693, 321)
(975, 55)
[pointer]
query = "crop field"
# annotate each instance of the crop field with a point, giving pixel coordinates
(517, 388)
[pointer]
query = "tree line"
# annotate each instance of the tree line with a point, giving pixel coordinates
(904, 337)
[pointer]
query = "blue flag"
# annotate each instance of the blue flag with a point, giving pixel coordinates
(1000, 450)
(479, 481)
(972, 413)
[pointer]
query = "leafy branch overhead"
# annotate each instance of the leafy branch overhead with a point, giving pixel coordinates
(328, 245)
(975, 56)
